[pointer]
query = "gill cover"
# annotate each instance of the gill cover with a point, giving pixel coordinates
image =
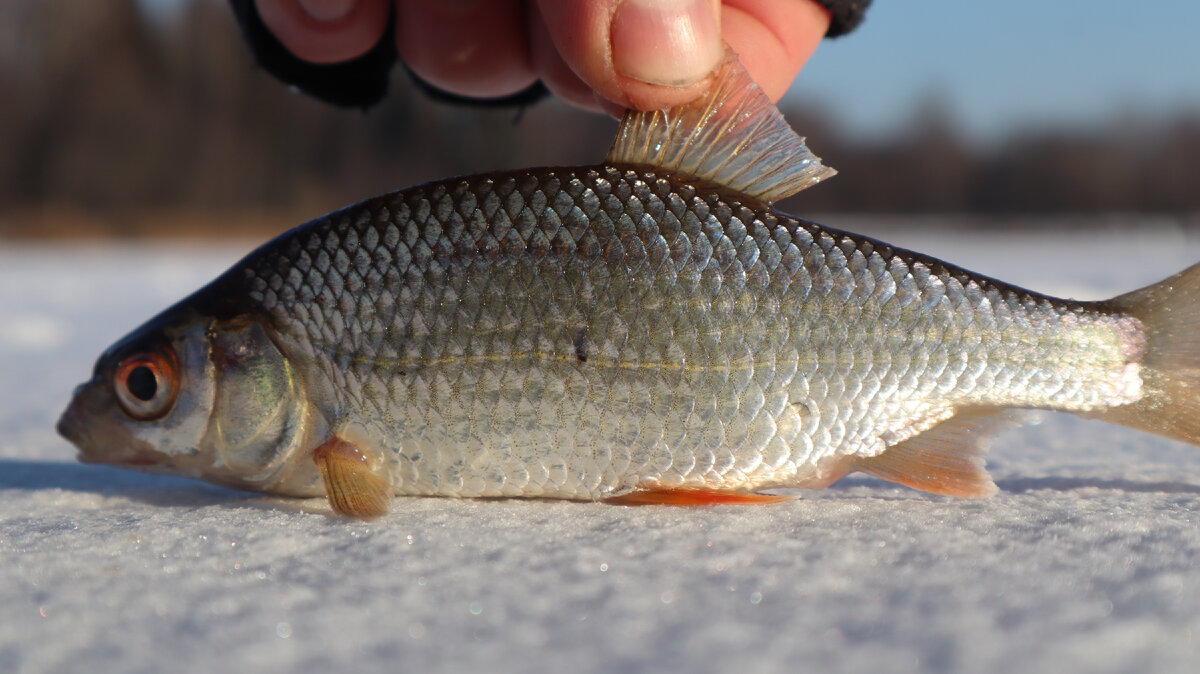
(258, 411)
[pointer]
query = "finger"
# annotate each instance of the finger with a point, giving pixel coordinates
(326, 31)
(327, 11)
(774, 38)
(554, 72)
(637, 53)
(476, 48)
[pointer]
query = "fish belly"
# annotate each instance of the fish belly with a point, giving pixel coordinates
(580, 333)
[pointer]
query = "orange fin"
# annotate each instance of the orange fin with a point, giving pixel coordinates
(353, 488)
(946, 459)
(694, 497)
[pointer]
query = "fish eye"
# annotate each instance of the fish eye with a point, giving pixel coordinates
(146, 385)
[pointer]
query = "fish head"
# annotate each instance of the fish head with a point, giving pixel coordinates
(192, 395)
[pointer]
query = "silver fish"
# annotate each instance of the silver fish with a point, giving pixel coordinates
(647, 330)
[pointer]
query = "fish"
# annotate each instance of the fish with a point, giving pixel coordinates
(650, 330)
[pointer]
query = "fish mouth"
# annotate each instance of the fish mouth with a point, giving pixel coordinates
(68, 427)
(69, 424)
(75, 431)
(97, 442)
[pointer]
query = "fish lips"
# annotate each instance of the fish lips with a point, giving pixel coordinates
(73, 424)
(89, 424)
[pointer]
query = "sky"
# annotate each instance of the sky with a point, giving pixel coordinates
(1003, 65)
(1000, 65)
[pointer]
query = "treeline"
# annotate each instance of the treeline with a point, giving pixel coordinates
(1126, 165)
(109, 112)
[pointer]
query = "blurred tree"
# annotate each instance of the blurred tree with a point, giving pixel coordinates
(113, 114)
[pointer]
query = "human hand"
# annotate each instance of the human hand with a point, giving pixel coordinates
(596, 54)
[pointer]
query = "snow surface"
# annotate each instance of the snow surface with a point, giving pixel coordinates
(1085, 561)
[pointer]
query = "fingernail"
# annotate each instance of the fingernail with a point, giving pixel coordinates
(673, 43)
(327, 11)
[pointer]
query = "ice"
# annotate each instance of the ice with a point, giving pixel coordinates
(1085, 561)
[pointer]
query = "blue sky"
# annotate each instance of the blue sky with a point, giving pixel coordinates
(1010, 63)
(1005, 63)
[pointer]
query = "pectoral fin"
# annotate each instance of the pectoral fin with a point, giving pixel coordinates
(694, 497)
(354, 488)
(947, 459)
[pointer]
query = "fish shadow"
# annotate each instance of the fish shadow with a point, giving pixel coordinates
(175, 491)
(157, 490)
(1022, 485)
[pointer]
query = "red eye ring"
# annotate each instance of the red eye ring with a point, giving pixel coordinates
(147, 384)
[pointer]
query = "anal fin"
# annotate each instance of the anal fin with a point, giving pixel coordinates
(354, 489)
(694, 496)
(947, 459)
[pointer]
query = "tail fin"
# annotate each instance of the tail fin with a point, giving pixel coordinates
(1170, 312)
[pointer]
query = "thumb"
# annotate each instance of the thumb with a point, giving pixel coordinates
(644, 54)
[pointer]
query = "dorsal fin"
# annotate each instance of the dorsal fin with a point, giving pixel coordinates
(733, 136)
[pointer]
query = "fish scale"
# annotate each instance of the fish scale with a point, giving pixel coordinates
(659, 314)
